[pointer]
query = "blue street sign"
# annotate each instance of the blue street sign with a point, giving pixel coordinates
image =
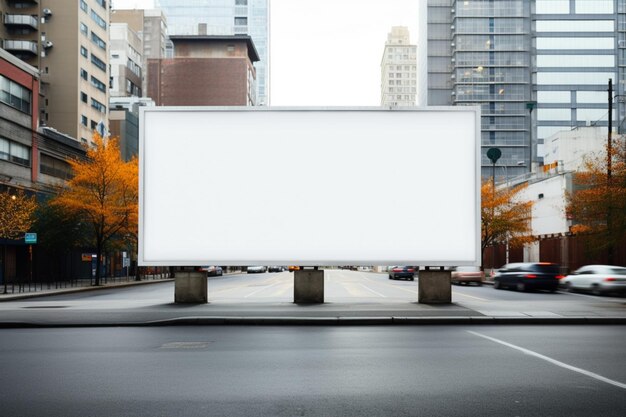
(30, 238)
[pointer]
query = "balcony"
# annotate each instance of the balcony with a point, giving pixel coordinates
(23, 4)
(21, 21)
(20, 47)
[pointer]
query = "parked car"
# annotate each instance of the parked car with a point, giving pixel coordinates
(467, 274)
(256, 269)
(526, 276)
(405, 272)
(293, 268)
(213, 271)
(275, 268)
(597, 279)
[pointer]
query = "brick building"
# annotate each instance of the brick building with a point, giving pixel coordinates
(205, 71)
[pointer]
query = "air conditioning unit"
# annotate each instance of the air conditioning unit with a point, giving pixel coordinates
(47, 12)
(48, 44)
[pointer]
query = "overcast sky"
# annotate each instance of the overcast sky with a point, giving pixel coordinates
(327, 52)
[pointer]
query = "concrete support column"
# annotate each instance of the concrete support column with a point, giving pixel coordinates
(190, 287)
(434, 287)
(308, 286)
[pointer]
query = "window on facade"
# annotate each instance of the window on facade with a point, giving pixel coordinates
(98, 84)
(15, 95)
(55, 167)
(83, 6)
(83, 97)
(84, 52)
(241, 2)
(98, 41)
(102, 3)
(83, 74)
(98, 62)
(94, 124)
(84, 29)
(241, 21)
(99, 20)
(14, 152)
(98, 106)
(83, 120)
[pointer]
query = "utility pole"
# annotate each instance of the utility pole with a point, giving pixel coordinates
(609, 162)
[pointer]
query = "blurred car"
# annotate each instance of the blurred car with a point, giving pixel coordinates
(467, 274)
(527, 276)
(256, 269)
(213, 271)
(597, 279)
(275, 268)
(293, 268)
(405, 272)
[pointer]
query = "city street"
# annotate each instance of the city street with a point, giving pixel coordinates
(314, 371)
(348, 294)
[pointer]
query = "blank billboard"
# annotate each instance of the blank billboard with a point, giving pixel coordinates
(309, 186)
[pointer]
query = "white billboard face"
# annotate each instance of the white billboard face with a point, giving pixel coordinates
(243, 186)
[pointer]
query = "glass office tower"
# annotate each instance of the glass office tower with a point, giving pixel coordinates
(535, 67)
(225, 17)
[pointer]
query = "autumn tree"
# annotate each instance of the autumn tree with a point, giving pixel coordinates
(16, 214)
(597, 204)
(104, 192)
(504, 216)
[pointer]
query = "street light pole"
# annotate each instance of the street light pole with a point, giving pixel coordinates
(530, 106)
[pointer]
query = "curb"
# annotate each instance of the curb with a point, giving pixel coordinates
(332, 321)
(61, 291)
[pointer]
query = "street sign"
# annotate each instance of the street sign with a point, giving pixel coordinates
(86, 257)
(30, 238)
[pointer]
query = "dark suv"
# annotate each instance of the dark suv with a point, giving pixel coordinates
(528, 276)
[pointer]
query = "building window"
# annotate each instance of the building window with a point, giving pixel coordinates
(94, 124)
(241, 21)
(15, 95)
(241, 2)
(83, 120)
(83, 74)
(14, 152)
(99, 21)
(98, 63)
(98, 106)
(83, 6)
(102, 3)
(55, 167)
(98, 41)
(83, 97)
(84, 29)
(84, 52)
(98, 84)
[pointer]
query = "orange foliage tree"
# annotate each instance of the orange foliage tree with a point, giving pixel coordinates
(597, 204)
(104, 192)
(504, 216)
(17, 214)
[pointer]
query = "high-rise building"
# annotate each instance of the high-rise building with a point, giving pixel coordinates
(126, 61)
(151, 28)
(535, 67)
(398, 69)
(73, 63)
(224, 18)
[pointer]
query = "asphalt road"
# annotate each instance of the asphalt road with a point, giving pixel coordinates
(314, 371)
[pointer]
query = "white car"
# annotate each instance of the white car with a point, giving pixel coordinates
(598, 279)
(257, 269)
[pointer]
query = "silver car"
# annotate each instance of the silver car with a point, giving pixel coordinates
(597, 279)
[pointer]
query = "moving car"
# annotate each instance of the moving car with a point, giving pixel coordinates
(467, 274)
(256, 269)
(597, 279)
(406, 272)
(275, 268)
(293, 268)
(526, 276)
(213, 271)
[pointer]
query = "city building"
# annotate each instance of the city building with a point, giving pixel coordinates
(150, 26)
(206, 71)
(566, 150)
(73, 63)
(535, 67)
(124, 123)
(224, 18)
(398, 85)
(125, 62)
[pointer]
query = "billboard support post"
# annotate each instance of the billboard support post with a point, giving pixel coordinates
(434, 286)
(308, 286)
(190, 286)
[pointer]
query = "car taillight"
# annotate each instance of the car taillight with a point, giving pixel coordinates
(410, 270)
(560, 276)
(531, 276)
(397, 269)
(609, 279)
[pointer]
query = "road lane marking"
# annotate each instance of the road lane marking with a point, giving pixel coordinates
(261, 289)
(375, 292)
(552, 361)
